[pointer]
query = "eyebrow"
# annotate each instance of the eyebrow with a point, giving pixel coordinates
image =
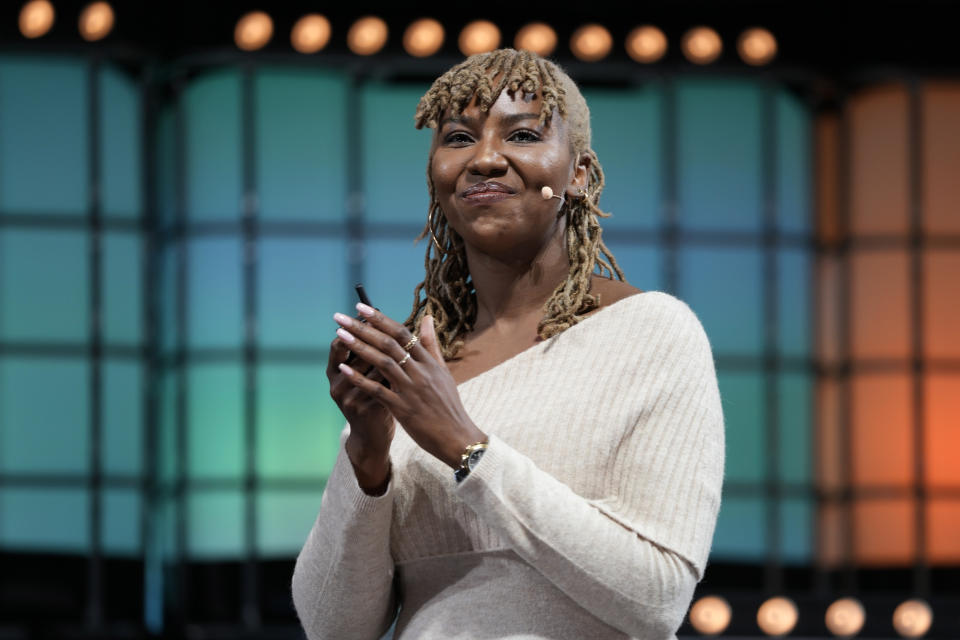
(508, 120)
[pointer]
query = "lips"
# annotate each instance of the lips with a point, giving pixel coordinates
(481, 189)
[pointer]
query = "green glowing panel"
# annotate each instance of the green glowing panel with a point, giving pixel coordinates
(626, 136)
(166, 165)
(794, 165)
(120, 135)
(214, 293)
(298, 424)
(169, 462)
(44, 415)
(642, 264)
(43, 136)
(796, 531)
(215, 440)
(122, 288)
(794, 270)
(718, 154)
(211, 107)
(122, 444)
(215, 524)
(741, 531)
(47, 520)
(742, 398)
(394, 153)
(44, 286)
(796, 426)
(301, 144)
(169, 298)
(283, 521)
(723, 287)
(300, 283)
(120, 522)
(393, 268)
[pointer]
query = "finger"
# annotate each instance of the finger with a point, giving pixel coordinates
(380, 393)
(386, 364)
(338, 354)
(396, 331)
(428, 338)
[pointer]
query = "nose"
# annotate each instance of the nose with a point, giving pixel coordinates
(488, 159)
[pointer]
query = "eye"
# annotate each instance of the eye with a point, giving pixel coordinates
(524, 135)
(457, 138)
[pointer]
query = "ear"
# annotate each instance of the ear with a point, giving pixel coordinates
(581, 173)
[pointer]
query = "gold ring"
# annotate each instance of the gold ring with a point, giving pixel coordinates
(404, 361)
(410, 345)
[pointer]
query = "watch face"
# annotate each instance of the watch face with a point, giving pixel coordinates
(474, 458)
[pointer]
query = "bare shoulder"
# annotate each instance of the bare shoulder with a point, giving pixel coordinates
(610, 291)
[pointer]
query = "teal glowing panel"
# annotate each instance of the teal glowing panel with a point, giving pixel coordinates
(718, 154)
(43, 136)
(169, 462)
(741, 532)
(796, 530)
(284, 520)
(211, 105)
(796, 427)
(120, 153)
(122, 429)
(44, 415)
(165, 154)
(215, 529)
(301, 144)
(626, 128)
(393, 269)
(214, 293)
(794, 165)
(742, 397)
(122, 288)
(215, 429)
(298, 424)
(723, 287)
(641, 263)
(394, 154)
(44, 519)
(120, 522)
(794, 295)
(300, 284)
(169, 299)
(44, 286)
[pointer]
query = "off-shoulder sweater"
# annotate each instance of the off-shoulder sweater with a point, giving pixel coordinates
(590, 515)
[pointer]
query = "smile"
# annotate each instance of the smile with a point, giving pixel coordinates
(484, 192)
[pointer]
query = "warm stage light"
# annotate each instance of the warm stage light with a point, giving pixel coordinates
(311, 33)
(701, 45)
(423, 38)
(253, 31)
(757, 46)
(479, 36)
(591, 42)
(96, 21)
(367, 36)
(845, 617)
(710, 615)
(912, 619)
(537, 37)
(777, 616)
(646, 44)
(36, 18)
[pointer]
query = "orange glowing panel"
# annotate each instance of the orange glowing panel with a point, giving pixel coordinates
(941, 303)
(943, 525)
(832, 536)
(879, 161)
(879, 304)
(827, 178)
(881, 430)
(941, 157)
(828, 308)
(830, 465)
(884, 532)
(942, 432)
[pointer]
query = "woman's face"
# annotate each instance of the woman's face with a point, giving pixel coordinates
(488, 170)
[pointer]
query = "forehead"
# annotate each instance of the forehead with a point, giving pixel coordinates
(507, 106)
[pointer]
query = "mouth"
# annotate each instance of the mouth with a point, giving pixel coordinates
(486, 192)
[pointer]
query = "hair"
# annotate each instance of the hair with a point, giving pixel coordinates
(447, 290)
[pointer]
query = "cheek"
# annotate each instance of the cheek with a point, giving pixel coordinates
(444, 171)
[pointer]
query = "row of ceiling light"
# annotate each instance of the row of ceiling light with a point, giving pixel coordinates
(424, 37)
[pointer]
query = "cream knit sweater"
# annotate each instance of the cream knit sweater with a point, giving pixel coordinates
(590, 515)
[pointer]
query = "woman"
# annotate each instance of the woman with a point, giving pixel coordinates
(544, 458)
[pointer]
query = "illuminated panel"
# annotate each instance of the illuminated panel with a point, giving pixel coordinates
(215, 524)
(214, 295)
(120, 521)
(879, 157)
(880, 304)
(393, 268)
(120, 153)
(284, 520)
(165, 173)
(943, 523)
(33, 518)
(793, 146)
(122, 444)
(831, 467)
(122, 276)
(831, 535)
(941, 308)
(642, 264)
(215, 442)
(884, 531)
(827, 131)
(793, 302)
(942, 431)
(882, 430)
(742, 397)
(796, 403)
(940, 147)
(740, 534)
(828, 309)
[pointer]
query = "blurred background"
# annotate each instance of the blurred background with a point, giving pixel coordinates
(188, 191)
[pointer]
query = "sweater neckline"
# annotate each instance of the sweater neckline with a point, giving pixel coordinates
(543, 343)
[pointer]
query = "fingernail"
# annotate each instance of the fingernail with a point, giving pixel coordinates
(365, 310)
(347, 371)
(346, 336)
(342, 319)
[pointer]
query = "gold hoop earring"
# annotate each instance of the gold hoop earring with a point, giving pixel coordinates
(433, 236)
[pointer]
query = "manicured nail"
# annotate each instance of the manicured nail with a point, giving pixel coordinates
(347, 371)
(342, 319)
(365, 310)
(346, 336)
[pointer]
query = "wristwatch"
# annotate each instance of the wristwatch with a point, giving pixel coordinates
(469, 459)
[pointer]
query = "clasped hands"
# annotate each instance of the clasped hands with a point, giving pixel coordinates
(422, 394)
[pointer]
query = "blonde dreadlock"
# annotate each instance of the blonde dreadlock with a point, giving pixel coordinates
(448, 293)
